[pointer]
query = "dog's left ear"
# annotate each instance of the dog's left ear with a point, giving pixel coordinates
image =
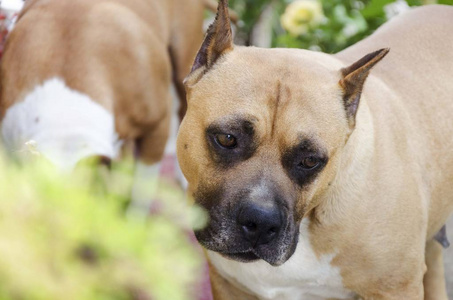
(218, 40)
(353, 79)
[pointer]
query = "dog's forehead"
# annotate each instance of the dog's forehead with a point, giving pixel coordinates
(300, 66)
(288, 90)
(249, 75)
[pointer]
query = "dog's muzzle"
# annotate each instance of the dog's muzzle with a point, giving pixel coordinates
(246, 228)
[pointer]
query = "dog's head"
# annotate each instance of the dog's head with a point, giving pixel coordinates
(261, 139)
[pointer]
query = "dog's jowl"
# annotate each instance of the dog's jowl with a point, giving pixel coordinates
(324, 176)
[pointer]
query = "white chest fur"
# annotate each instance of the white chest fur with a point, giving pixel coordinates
(65, 124)
(303, 277)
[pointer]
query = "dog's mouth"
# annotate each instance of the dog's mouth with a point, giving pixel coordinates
(240, 253)
(231, 245)
(242, 257)
(254, 255)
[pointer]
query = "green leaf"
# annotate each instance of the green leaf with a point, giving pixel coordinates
(375, 8)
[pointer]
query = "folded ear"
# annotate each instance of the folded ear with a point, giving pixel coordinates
(353, 79)
(218, 39)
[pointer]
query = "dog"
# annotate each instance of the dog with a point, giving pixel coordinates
(324, 176)
(79, 78)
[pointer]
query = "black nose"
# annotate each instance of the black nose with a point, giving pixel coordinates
(260, 224)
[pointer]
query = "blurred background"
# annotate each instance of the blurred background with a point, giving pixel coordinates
(73, 238)
(324, 25)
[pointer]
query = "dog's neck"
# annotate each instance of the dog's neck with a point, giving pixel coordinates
(65, 125)
(355, 161)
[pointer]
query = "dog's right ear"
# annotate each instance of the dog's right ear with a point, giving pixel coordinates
(353, 79)
(218, 41)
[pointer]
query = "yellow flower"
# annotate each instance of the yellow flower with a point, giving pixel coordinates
(300, 15)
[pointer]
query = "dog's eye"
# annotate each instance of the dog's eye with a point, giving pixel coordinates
(310, 162)
(226, 140)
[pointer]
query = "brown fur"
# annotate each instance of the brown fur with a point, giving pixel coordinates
(386, 189)
(354, 79)
(122, 53)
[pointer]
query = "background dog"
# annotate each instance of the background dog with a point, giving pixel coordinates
(319, 185)
(82, 77)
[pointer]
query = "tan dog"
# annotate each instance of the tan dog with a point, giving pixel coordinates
(80, 76)
(311, 195)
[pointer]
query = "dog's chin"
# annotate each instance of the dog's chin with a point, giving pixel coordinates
(242, 253)
(253, 256)
(242, 257)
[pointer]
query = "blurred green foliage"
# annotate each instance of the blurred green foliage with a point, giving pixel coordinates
(346, 22)
(61, 240)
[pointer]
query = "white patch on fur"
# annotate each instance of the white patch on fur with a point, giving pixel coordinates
(12, 5)
(11, 8)
(302, 277)
(66, 125)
